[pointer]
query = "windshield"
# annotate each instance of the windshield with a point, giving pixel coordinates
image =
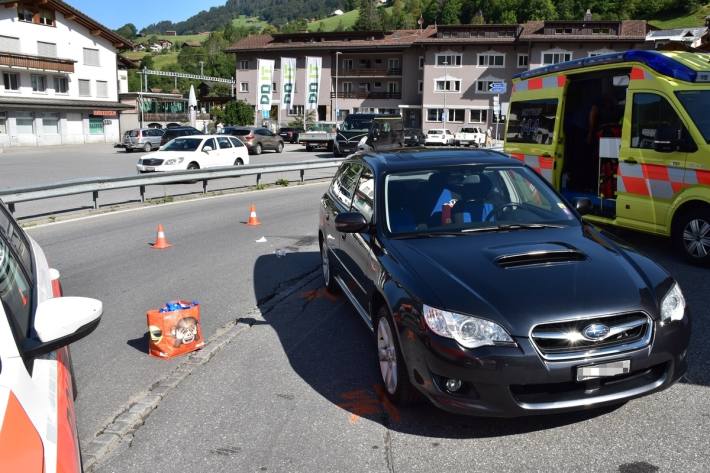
(697, 104)
(435, 132)
(183, 144)
(357, 124)
(469, 198)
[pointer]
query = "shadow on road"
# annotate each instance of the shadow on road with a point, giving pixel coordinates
(330, 348)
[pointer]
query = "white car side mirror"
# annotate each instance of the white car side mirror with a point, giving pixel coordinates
(206, 149)
(63, 320)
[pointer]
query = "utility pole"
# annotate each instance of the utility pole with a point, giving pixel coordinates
(202, 68)
(337, 60)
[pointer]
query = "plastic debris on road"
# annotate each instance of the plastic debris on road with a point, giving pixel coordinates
(261, 240)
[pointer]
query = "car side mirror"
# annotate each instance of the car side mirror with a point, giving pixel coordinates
(206, 149)
(60, 321)
(350, 222)
(583, 206)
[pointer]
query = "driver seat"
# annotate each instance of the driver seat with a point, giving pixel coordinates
(474, 205)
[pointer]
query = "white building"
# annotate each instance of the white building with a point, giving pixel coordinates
(58, 76)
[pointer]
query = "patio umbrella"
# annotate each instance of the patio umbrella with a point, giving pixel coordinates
(192, 106)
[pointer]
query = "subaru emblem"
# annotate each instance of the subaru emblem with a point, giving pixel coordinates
(595, 331)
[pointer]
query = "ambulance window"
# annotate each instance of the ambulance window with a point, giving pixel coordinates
(532, 121)
(652, 113)
(15, 293)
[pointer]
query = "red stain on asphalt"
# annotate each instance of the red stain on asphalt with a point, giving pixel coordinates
(320, 293)
(363, 403)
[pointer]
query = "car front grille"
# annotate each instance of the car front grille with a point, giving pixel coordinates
(577, 338)
(151, 162)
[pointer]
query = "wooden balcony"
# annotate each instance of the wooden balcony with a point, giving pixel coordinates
(366, 95)
(36, 62)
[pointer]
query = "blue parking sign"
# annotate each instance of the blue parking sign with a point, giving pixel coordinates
(497, 87)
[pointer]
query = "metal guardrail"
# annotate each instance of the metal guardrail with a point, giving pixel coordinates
(95, 185)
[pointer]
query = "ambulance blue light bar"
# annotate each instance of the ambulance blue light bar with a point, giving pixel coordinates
(655, 60)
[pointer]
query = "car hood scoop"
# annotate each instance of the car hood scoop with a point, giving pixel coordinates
(535, 254)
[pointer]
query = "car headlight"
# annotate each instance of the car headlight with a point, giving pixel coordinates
(174, 161)
(468, 331)
(673, 305)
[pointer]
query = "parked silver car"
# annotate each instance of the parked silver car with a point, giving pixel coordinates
(145, 139)
(256, 139)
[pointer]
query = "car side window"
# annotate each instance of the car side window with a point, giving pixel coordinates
(209, 143)
(235, 142)
(13, 234)
(223, 143)
(652, 118)
(344, 183)
(259, 132)
(364, 198)
(15, 292)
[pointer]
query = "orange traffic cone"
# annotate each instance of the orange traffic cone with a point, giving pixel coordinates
(161, 242)
(253, 220)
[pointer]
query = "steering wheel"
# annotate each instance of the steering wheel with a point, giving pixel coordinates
(501, 210)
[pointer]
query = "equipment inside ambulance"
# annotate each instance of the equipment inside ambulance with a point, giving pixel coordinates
(37, 421)
(630, 133)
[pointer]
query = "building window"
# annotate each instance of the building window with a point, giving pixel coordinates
(96, 126)
(491, 60)
(9, 44)
(244, 64)
(478, 116)
(84, 88)
(50, 126)
(25, 14)
(393, 65)
(601, 31)
(483, 86)
(347, 64)
(61, 85)
(434, 114)
(39, 83)
(296, 111)
(364, 86)
(244, 87)
(11, 81)
(451, 85)
(45, 17)
(377, 85)
(41, 17)
(421, 62)
(555, 57)
(3, 125)
(91, 57)
(523, 60)
(393, 87)
(24, 126)
(456, 115)
(599, 52)
(273, 88)
(46, 49)
(563, 30)
(448, 60)
(101, 88)
(347, 87)
(420, 86)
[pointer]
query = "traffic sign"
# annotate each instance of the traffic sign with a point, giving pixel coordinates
(497, 87)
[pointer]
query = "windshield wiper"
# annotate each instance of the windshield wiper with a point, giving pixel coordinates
(511, 226)
(425, 235)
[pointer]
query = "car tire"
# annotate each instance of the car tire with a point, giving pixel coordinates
(147, 147)
(192, 166)
(327, 269)
(691, 235)
(239, 162)
(279, 147)
(309, 148)
(393, 369)
(129, 150)
(257, 148)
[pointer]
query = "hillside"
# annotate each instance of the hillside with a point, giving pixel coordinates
(675, 19)
(348, 19)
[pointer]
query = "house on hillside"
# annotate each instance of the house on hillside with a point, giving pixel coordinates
(691, 37)
(59, 76)
(171, 33)
(337, 13)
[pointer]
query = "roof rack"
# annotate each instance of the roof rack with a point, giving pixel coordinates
(653, 59)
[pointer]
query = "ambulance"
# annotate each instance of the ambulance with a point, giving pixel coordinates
(38, 431)
(626, 137)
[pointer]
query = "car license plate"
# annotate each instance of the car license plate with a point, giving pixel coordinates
(615, 368)
(149, 168)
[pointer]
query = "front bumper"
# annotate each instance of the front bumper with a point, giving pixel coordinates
(161, 168)
(516, 381)
(348, 147)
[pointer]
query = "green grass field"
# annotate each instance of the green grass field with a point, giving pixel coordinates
(248, 22)
(179, 39)
(331, 23)
(670, 20)
(160, 61)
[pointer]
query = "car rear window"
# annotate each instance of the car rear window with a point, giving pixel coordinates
(133, 133)
(434, 132)
(239, 131)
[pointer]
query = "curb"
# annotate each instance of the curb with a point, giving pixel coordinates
(134, 415)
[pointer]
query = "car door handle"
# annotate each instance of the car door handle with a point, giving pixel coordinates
(630, 161)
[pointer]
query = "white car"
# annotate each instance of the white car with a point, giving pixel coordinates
(195, 152)
(37, 420)
(439, 136)
(470, 136)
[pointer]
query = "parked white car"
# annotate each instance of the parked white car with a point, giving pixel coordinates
(470, 136)
(195, 152)
(439, 136)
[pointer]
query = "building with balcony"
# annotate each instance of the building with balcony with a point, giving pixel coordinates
(438, 77)
(153, 110)
(59, 77)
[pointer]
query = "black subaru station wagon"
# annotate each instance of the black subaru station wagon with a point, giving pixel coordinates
(486, 291)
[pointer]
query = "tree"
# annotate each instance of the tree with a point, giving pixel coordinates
(298, 122)
(236, 112)
(397, 17)
(229, 32)
(431, 12)
(539, 10)
(368, 18)
(128, 31)
(450, 12)
(147, 62)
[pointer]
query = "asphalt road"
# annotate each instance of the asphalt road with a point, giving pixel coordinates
(298, 390)
(28, 167)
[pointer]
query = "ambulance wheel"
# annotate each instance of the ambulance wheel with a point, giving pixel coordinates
(691, 235)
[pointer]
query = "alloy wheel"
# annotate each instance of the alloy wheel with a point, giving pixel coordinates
(696, 238)
(387, 355)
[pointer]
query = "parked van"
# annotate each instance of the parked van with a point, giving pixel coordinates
(145, 139)
(369, 131)
(626, 136)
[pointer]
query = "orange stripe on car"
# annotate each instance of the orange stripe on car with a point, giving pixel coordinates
(21, 447)
(67, 441)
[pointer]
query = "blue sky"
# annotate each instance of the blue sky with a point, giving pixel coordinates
(141, 13)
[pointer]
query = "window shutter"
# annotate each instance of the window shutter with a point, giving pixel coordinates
(84, 88)
(46, 49)
(9, 44)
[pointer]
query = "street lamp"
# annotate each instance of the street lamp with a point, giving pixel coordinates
(337, 60)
